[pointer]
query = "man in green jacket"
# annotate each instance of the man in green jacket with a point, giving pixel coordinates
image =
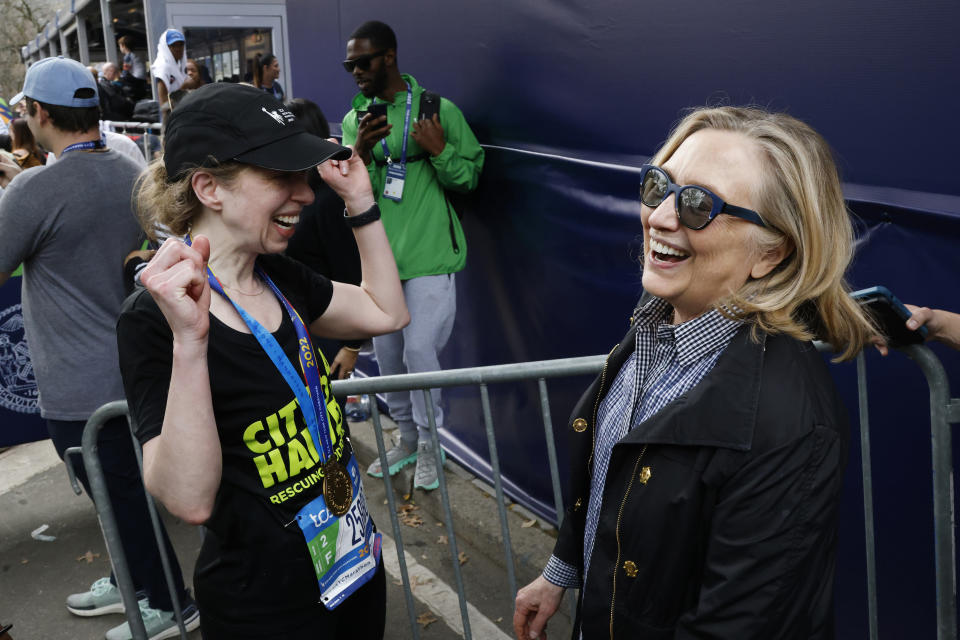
(412, 162)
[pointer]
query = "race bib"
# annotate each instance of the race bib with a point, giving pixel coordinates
(393, 185)
(345, 551)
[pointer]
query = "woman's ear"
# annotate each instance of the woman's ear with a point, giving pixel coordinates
(207, 189)
(770, 258)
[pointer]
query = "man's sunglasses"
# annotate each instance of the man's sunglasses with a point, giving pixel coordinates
(362, 62)
(696, 206)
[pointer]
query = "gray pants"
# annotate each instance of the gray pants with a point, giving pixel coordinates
(432, 301)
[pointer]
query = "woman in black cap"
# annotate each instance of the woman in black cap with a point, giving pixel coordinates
(232, 404)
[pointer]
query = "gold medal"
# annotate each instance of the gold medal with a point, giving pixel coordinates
(337, 488)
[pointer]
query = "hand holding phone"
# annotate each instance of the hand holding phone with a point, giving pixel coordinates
(378, 109)
(369, 132)
(890, 315)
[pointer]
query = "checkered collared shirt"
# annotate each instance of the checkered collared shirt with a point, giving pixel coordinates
(668, 360)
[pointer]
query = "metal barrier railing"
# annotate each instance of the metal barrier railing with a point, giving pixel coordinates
(944, 411)
(108, 523)
(146, 128)
(477, 376)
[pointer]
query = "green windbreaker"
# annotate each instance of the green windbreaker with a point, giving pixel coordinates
(424, 231)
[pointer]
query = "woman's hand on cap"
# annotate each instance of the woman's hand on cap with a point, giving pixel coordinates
(176, 278)
(349, 178)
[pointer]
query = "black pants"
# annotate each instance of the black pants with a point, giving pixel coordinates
(122, 476)
(362, 616)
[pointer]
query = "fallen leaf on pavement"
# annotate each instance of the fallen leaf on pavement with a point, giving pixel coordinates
(412, 520)
(426, 619)
(463, 557)
(443, 540)
(529, 523)
(408, 516)
(88, 556)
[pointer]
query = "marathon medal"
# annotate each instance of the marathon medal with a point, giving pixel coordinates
(337, 489)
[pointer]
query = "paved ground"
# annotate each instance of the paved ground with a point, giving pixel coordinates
(36, 575)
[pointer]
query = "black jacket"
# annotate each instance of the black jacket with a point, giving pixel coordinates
(719, 515)
(113, 104)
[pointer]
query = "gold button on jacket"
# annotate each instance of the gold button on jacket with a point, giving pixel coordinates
(579, 425)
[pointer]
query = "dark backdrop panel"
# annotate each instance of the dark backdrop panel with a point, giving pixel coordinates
(610, 76)
(568, 96)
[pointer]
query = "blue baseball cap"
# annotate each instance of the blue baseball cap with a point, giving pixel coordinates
(174, 36)
(59, 81)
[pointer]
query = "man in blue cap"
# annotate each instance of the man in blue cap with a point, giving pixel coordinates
(70, 225)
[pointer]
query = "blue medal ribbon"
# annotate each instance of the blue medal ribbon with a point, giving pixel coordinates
(86, 146)
(312, 403)
(406, 131)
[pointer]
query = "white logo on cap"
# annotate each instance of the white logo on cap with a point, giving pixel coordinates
(280, 115)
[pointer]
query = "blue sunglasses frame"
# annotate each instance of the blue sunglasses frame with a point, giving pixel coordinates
(719, 206)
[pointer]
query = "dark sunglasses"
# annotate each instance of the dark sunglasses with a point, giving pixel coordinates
(696, 206)
(362, 62)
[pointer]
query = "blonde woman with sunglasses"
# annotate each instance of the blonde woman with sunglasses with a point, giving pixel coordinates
(708, 457)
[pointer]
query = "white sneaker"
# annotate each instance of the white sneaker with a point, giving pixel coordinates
(425, 476)
(397, 458)
(102, 598)
(159, 624)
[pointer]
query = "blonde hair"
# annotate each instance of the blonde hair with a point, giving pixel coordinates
(799, 196)
(173, 206)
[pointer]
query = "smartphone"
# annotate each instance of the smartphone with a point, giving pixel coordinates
(890, 314)
(378, 109)
(429, 106)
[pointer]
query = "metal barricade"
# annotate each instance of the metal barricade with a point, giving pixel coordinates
(944, 411)
(481, 377)
(108, 523)
(149, 131)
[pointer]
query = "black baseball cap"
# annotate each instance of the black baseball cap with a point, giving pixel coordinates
(224, 121)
